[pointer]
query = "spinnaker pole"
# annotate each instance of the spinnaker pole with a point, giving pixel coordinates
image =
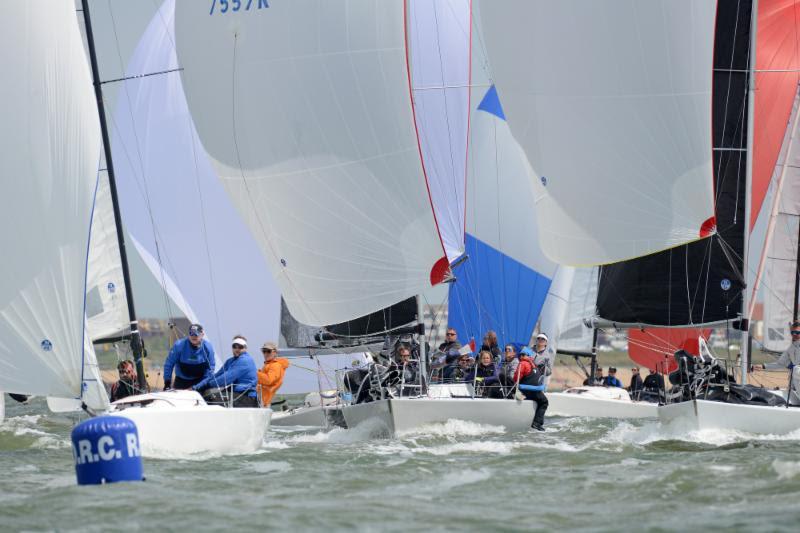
(135, 339)
(751, 97)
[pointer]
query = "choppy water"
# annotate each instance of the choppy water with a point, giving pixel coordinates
(579, 475)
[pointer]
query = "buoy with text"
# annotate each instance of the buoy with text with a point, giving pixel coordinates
(106, 450)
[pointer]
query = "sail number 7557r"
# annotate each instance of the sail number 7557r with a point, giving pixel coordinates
(232, 6)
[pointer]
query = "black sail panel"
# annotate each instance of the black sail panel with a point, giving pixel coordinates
(701, 282)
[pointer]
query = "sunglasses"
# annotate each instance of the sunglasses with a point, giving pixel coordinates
(795, 332)
(237, 346)
(451, 334)
(266, 350)
(509, 349)
(194, 332)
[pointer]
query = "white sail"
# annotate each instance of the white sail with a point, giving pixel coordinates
(582, 302)
(504, 280)
(51, 146)
(177, 214)
(611, 101)
(780, 260)
(94, 394)
(106, 304)
(439, 32)
(305, 110)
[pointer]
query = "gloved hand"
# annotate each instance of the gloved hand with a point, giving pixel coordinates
(478, 379)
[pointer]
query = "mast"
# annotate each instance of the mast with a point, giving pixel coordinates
(135, 339)
(423, 352)
(751, 97)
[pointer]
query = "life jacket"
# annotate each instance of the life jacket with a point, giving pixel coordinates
(535, 378)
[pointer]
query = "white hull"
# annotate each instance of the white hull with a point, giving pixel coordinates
(2, 407)
(404, 414)
(704, 414)
(180, 423)
(599, 402)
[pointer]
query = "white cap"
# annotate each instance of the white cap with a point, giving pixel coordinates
(542, 336)
(239, 340)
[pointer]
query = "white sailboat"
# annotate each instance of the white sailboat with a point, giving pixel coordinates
(46, 345)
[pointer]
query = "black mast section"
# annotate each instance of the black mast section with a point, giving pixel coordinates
(136, 341)
(796, 275)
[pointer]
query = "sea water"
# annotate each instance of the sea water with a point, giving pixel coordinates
(580, 474)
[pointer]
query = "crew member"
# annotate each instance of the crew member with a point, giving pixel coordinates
(790, 358)
(636, 382)
(451, 342)
(237, 373)
(270, 377)
(193, 359)
(611, 380)
(126, 386)
(531, 384)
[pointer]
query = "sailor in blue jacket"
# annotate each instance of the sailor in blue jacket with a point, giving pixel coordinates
(239, 373)
(192, 358)
(611, 379)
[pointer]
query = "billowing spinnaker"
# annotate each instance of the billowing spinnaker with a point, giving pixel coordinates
(503, 283)
(51, 146)
(611, 101)
(106, 304)
(571, 299)
(304, 108)
(179, 217)
(439, 44)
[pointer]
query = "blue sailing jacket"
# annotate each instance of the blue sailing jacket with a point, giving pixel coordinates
(237, 371)
(190, 363)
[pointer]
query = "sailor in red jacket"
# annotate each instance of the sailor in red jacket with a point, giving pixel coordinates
(531, 384)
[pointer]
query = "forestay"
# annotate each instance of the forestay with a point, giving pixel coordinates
(180, 220)
(504, 280)
(51, 149)
(612, 105)
(305, 110)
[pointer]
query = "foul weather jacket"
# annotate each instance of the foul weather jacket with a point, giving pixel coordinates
(237, 371)
(190, 363)
(270, 378)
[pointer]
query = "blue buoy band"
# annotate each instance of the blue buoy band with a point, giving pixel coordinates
(106, 450)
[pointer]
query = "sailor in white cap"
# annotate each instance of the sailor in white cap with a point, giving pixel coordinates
(238, 373)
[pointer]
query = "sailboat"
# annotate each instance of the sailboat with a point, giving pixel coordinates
(47, 340)
(661, 138)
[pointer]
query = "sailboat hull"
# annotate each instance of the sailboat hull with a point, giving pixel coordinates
(309, 416)
(599, 402)
(180, 423)
(703, 414)
(398, 415)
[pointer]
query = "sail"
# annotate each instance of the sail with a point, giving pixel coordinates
(702, 282)
(776, 79)
(177, 214)
(106, 304)
(780, 260)
(439, 34)
(504, 280)
(654, 348)
(612, 107)
(304, 108)
(94, 394)
(572, 298)
(51, 149)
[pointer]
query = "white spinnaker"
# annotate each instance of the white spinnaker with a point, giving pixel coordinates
(177, 214)
(305, 110)
(611, 101)
(780, 261)
(51, 147)
(106, 304)
(439, 34)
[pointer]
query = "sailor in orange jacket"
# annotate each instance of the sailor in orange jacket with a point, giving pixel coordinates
(270, 376)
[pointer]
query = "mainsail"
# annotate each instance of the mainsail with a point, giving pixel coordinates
(304, 108)
(51, 150)
(611, 104)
